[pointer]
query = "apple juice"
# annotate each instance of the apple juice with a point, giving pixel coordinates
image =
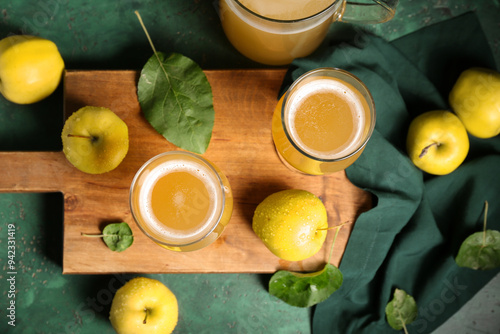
(181, 201)
(323, 122)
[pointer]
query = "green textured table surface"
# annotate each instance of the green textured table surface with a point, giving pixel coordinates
(106, 35)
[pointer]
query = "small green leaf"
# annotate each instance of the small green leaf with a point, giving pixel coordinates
(117, 236)
(176, 99)
(401, 310)
(304, 290)
(481, 250)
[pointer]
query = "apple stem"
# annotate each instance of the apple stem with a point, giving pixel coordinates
(426, 149)
(146, 317)
(92, 138)
(333, 227)
(79, 136)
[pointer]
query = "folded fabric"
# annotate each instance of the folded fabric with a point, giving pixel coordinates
(411, 236)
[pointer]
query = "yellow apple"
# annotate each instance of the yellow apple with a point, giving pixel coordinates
(291, 223)
(437, 142)
(95, 140)
(475, 98)
(144, 306)
(30, 68)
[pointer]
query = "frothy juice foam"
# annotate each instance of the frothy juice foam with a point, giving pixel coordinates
(179, 199)
(286, 9)
(326, 118)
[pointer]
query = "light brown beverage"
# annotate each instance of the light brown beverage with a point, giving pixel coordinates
(321, 125)
(181, 201)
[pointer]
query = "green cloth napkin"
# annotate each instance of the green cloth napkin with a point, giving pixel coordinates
(410, 238)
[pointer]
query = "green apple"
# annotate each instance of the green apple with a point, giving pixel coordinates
(95, 140)
(30, 68)
(144, 306)
(292, 224)
(437, 142)
(475, 98)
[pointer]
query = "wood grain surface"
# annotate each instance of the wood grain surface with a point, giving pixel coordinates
(241, 147)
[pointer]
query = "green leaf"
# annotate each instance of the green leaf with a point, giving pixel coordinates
(401, 310)
(481, 250)
(176, 99)
(304, 290)
(117, 236)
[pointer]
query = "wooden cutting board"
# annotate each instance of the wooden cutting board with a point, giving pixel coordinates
(241, 147)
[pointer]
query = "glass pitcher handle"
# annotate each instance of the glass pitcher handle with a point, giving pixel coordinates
(367, 11)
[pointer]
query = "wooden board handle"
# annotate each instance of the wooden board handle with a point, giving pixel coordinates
(34, 171)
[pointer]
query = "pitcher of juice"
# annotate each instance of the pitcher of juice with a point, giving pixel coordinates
(275, 32)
